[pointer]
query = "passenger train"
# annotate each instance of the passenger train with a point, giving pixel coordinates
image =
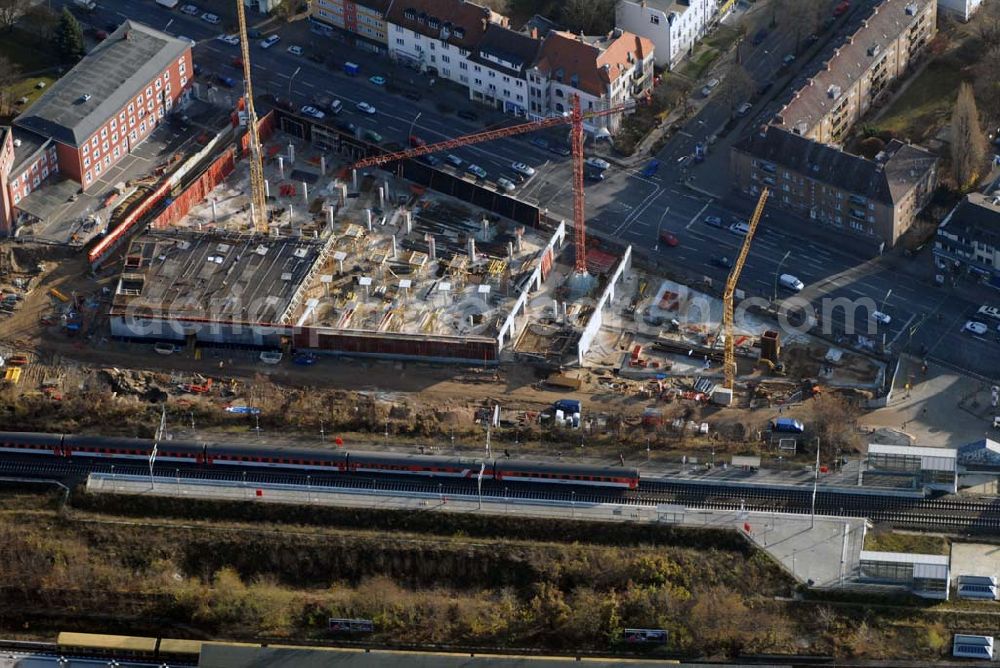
(223, 455)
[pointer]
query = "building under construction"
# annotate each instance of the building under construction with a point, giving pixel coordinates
(375, 267)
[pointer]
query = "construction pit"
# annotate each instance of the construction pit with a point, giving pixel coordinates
(375, 267)
(660, 332)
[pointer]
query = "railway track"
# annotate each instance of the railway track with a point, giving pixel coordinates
(901, 512)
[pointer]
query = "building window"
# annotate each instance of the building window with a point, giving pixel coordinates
(104, 133)
(104, 147)
(107, 160)
(114, 124)
(445, 59)
(477, 68)
(121, 118)
(479, 82)
(166, 75)
(131, 121)
(463, 65)
(464, 79)
(167, 89)
(114, 138)
(117, 152)
(142, 128)
(446, 72)
(138, 100)
(158, 85)
(149, 91)
(131, 108)
(87, 177)
(97, 168)
(17, 197)
(93, 142)
(655, 20)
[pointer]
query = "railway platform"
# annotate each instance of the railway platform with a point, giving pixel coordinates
(822, 552)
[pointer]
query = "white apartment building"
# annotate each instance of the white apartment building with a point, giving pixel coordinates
(960, 9)
(604, 71)
(673, 26)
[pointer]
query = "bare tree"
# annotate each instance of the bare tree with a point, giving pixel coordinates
(736, 87)
(11, 11)
(592, 17)
(9, 74)
(987, 83)
(41, 21)
(968, 143)
(986, 24)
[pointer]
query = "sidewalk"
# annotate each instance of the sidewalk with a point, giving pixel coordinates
(938, 407)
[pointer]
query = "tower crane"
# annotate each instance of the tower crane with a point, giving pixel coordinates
(258, 206)
(575, 118)
(729, 363)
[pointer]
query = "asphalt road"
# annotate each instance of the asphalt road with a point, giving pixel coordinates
(629, 205)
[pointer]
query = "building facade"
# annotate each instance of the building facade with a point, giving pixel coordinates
(604, 71)
(96, 113)
(968, 239)
(960, 9)
(364, 19)
(673, 26)
(855, 72)
(876, 199)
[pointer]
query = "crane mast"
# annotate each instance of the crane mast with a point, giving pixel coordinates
(579, 223)
(729, 363)
(258, 205)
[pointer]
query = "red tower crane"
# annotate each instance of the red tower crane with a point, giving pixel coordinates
(575, 118)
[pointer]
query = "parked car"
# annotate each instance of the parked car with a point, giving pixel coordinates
(430, 159)
(190, 10)
(373, 136)
(880, 317)
(788, 425)
(790, 282)
(270, 41)
(295, 50)
(740, 228)
(975, 327)
(516, 177)
(597, 163)
(743, 109)
(191, 42)
(759, 36)
(348, 127)
(709, 86)
(650, 168)
(505, 184)
(714, 221)
(722, 261)
(476, 171)
(228, 82)
(669, 238)
(842, 8)
(366, 108)
(522, 168)
(468, 114)
(454, 160)
(304, 359)
(560, 149)
(237, 62)
(209, 17)
(377, 80)
(270, 357)
(540, 142)
(165, 348)
(234, 40)
(788, 59)
(310, 110)
(412, 95)
(593, 175)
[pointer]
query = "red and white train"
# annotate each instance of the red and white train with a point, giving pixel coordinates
(222, 455)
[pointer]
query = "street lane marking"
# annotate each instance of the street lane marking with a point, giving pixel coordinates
(698, 215)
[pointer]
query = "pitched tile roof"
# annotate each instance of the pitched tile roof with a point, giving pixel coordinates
(594, 61)
(887, 180)
(457, 22)
(114, 72)
(515, 48)
(845, 60)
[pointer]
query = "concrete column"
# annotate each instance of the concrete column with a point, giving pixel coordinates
(510, 251)
(322, 165)
(281, 166)
(431, 247)
(215, 216)
(291, 154)
(519, 235)
(342, 191)
(472, 250)
(267, 188)
(305, 191)
(354, 179)
(486, 229)
(408, 221)
(388, 193)
(329, 217)
(394, 247)
(368, 219)
(381, 197)
(555, 309)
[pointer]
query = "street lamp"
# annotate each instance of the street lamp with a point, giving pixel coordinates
(415, 119)
(778, 271)
(884, 300)
(291, 79)
(656, 243)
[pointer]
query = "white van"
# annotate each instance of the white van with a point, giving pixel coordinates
(789, 282)
(990, 312)
(336, 106)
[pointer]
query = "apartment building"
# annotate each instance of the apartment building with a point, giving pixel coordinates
(500, 64)
(95, 114)
(875, 199)
(673, 26)
(365, 20)
(960, 9)
(842, 84)
(969, 238)
(605, 71)
(439, 35)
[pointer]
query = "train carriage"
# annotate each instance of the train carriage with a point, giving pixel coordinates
(424, 465)
(285, 458)
(31, 443)
(179, 452)
(567, 474)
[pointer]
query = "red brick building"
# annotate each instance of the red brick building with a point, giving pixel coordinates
(95, 114)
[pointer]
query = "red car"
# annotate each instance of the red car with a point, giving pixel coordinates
(669, 239)
(842, 7)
